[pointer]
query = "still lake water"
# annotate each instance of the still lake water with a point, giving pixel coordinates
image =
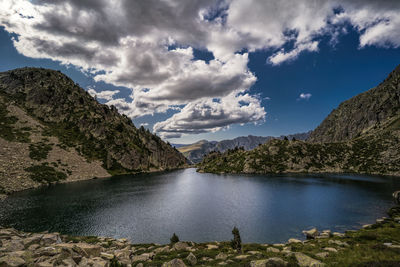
(202, 207)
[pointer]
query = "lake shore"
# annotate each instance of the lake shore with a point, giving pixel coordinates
(373, 245)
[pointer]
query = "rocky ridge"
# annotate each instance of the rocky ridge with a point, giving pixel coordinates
(373, 149)
(375, 243)
(54, 131)
(196, 152)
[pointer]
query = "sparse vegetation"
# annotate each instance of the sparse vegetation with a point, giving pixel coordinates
(8, 130)
(45, 174)
(236, 242)
(174, 239)
(39, 151)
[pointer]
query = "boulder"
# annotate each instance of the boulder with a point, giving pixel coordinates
(294, 240)
(337, 234)
(48, 239)
(211, 246)
(271, 262)
(143, 257)
(12, 245)
(306, 261)
(181, 246)
(162, 249)
(311, 234)
(242, 257)
(331, 250)
(174, 263)
(191, 258)
(322, 255)
(273, 250)
(396, 196)
(90, 250)
(11, 261)
(35, 239)
(221, 256)
(106, 256)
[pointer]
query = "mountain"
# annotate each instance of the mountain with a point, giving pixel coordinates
(361, 113)
(361, 136)
(195, 152)
(52, 129)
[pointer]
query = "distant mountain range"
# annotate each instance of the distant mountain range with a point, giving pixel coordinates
(361, 136)
(195, 152)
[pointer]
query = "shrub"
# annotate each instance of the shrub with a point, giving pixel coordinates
(44, 173)
(174, 238)
(236, 242)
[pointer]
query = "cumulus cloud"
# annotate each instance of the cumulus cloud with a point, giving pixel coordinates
(148, 46)
(212, 115)
(106, 95)
(304, 96)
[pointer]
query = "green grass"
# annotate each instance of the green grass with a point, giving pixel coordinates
(8, 131)
(39, 150)
(45, 174)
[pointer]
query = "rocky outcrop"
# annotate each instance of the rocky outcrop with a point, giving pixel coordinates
(373, 150)
(196, 152)
(52, 126)
(362, 113)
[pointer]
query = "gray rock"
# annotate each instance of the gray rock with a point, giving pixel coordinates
(174, 263)
(273, 250)
(191, 258)
(306, 261)
(322, 255)
(294, 240)
(271, 262)
(49, 239)
(221, 256)
(11, 261)
(311, 234)
(181, 246)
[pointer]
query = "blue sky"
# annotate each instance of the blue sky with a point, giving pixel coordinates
(215, 90)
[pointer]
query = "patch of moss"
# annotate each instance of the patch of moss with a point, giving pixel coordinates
(39, 151)
(43, 173)
(8, 131)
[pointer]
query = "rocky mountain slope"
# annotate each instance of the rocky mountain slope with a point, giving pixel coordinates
(361, 113)
(195, 152)
(344, 142)
(53, 130)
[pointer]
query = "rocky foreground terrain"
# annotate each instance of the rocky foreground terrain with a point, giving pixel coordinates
(361, 136)
(374, 245)
(54, 131)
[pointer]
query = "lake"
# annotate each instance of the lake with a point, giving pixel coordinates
(202, 207)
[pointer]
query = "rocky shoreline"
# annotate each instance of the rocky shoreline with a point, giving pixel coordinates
(373, 244)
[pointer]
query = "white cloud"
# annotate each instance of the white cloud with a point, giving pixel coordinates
(210, 115)
(106, 95)
(305, 96)
(148, 45)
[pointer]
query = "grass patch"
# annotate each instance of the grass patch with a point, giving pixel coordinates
(8, 131)
(44, 173)
(39, 150)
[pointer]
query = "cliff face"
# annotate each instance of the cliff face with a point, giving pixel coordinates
(361, 136)
(43, 112)
(361, 113)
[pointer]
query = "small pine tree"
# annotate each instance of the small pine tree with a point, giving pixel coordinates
(286, 139)
(236, 242)
(293, 139)
(174, 238)
(115, 263)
